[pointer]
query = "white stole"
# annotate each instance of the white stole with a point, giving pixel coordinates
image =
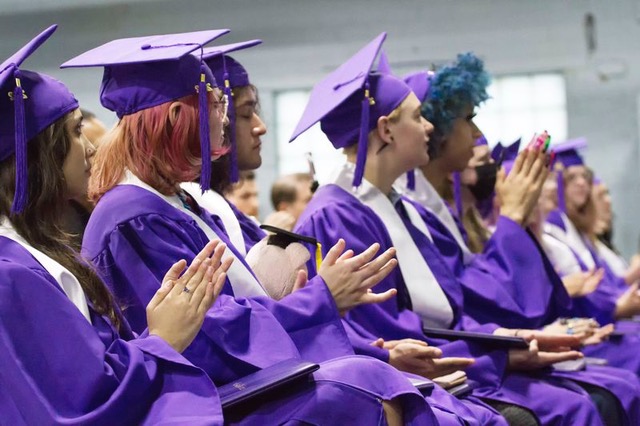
(561, 256)
(616, 262)
(427, 297)
(571, 237)
(243, 282)
(65, 279)
(427, 196)
(218, 205)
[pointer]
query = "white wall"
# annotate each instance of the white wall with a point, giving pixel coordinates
(305, 39)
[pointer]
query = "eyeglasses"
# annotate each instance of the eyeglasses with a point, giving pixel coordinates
(221, 105)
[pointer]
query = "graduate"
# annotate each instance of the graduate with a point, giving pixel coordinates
(511, 282)
(67, 355)
(171, 119)
(244, 131)
(376, 119)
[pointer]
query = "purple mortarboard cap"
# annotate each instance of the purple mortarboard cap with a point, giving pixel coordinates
(505, 153)
(511, 151)
(384, 66)
(567, 155)
(230, 72)
(349, 101)
(30, 103)
(567, 152)
(496, 152)
(143, 72)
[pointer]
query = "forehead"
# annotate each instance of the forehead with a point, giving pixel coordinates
(244, 95)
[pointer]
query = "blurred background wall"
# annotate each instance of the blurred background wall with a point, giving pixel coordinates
(588, 51)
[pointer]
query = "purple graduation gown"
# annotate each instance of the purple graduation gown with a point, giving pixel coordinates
(251, 232)
(57, 368)
(511, 283)
(333, 214)
(134, 247)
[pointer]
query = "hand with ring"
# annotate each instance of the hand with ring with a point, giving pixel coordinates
(177, 310)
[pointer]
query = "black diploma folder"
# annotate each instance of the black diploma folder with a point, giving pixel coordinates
(264, 381)
(490, 340)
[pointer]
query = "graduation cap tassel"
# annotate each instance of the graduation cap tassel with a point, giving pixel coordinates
(231, 113)
(457, 196)
(318, 256)
(20, 197)
(562, 204)
(363, 139)
(205, 137)
(411, 180)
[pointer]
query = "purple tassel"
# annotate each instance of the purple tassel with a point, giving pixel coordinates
(20, 197)
(231, 113)
(562, 204)
(457, 196)
(363, 139)
(205, 137)
(411, 180)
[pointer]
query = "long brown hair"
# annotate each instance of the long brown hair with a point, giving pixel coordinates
(41, 222)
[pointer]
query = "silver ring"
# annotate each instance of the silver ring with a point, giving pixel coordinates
(186, 290)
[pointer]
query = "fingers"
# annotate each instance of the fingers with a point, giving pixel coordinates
(446, 366)
(334, 253)
(162, 292)
(371, 297)
(548, 358)
(212, 292)
(378, 343)
(301, 280)
(198, 287)
(222, 270)
(380, 275)
(173, 274)
(191, 279)
(520, 159)
(207, 250)
(346, 255)
(365, 257)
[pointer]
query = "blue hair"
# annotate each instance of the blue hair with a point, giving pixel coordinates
(453, 88)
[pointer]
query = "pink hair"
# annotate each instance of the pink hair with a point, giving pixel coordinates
(158, 152)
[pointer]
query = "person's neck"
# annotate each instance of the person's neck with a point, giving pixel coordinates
(380, 171)
(437, 175)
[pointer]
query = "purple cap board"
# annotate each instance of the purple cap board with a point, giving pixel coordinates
(227, 70)
(349, 101)
(144, 72)
(30, 103)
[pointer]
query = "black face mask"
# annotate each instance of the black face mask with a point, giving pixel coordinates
(484, 187)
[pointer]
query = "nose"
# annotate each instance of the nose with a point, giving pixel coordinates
(428, 126)
(260, 128)
(477, 133)
(89, 149)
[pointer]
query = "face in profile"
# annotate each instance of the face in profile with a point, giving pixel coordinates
(410, 133)
(457, 150)
(249, 128)
(77, 164)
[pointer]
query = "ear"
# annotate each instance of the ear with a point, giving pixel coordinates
(174, 112)
(383, 129)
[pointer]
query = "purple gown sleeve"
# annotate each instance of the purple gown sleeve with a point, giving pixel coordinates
(55, 368)
(238, 334)
(511, 282)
